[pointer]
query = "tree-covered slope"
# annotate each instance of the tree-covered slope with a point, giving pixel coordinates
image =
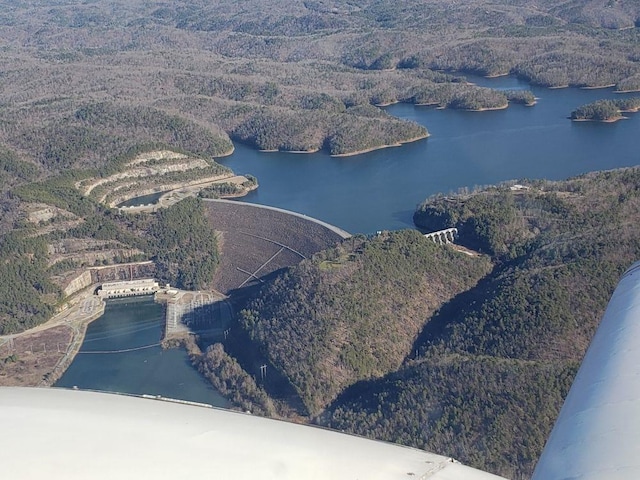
(180, 240)
(488, 412)
(354, 312)
(27, 296)
(102, 135)
(84, 82)
(562, 247)
(491, 367)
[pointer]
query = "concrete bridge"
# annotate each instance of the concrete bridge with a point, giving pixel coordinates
(443, 237)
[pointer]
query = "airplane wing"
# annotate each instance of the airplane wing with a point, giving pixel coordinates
(65, 434)
(597, 434)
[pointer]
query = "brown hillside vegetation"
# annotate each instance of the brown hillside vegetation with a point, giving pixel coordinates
(85, 82)
(354, 312)
(495, 363)
(89, 86)
(391, 336)
(398, 338)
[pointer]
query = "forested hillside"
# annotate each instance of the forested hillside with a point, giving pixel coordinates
(180, 240)
(84, 83)
(88, 84)
(353, 313)
(491, 367)
(492, 413)
(408, 341)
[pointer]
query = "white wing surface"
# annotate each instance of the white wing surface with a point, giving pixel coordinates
(65, 434)
(597, 434)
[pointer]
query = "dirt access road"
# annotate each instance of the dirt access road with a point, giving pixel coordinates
(39, 356)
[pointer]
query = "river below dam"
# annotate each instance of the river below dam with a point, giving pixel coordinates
(121, 353)
(365, 193)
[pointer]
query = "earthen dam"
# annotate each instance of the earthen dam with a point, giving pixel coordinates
(256, 240)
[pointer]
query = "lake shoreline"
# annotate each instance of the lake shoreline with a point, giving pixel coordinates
(606, 120)
(373, 149)
(81, 309)
(354, 153)
(487, 109)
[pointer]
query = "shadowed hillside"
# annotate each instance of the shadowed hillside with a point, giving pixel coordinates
(491, 367)
(353, 312)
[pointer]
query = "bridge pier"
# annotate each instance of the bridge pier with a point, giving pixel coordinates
(443, 237)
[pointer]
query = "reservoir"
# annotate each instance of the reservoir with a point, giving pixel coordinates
(380, 190)
(365, 193)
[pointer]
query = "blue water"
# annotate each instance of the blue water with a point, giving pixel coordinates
(133, 323)
(142, 200)
(380, 190)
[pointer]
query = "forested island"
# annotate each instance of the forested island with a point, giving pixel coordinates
(606, 110)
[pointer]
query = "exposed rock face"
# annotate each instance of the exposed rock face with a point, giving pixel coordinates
(126, 271)
(78, 283)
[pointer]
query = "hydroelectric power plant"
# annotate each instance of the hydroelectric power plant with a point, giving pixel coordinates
(142, 312)
(128, 288)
